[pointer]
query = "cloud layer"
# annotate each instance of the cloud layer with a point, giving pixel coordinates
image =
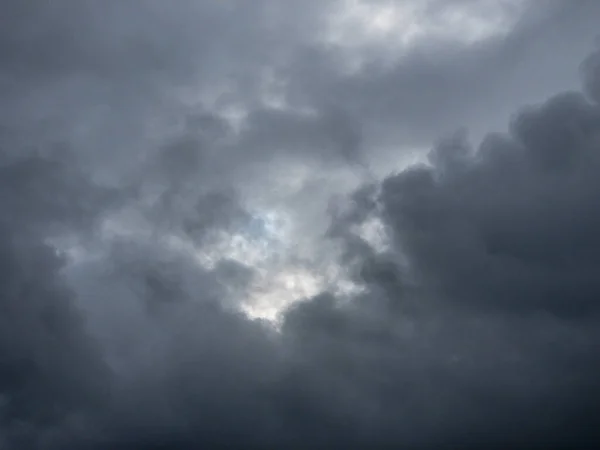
(171, 173)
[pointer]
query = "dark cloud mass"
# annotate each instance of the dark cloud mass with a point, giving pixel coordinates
(163, 162)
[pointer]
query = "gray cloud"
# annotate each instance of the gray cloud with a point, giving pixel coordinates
(590, 69)
(513, 225)
(51, 371)
(121, 168)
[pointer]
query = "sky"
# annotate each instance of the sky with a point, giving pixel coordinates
(282, 224)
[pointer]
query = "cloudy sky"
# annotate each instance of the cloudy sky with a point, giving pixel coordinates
(299, 224)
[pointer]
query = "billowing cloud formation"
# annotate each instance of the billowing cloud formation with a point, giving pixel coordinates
(171, 173)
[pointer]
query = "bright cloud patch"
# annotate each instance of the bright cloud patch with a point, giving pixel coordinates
(394, 27)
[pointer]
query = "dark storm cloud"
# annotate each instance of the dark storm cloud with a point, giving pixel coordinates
(500, 298)
(51, 372)
(477, 327)
(514, 226)
(488, 335)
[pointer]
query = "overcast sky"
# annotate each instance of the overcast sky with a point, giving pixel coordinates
(299, 224)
